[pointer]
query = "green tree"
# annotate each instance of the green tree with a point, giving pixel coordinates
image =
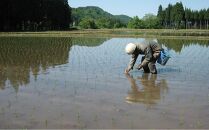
(87, 23)
(187, 17)
(178, 14)
(206, 17)
(151, 21)
(201, 17)
(118, 24)
(136, 23)
(32, 15)
(196, 18)
(161, 15)
(168, 15)
(104, 23)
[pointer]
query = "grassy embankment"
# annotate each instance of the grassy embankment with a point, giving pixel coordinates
(142, 33)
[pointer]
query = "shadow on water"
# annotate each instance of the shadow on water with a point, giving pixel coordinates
(146, 89)
(20, 56)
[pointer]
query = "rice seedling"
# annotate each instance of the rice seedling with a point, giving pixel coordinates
(46, 123)
(199, 124)
(113, 122)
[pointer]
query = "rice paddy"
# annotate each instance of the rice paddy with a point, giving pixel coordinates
(78, 82)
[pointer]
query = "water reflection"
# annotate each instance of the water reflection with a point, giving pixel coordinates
(178, 44)
(146, 89)
(20, 56)
(81, 86)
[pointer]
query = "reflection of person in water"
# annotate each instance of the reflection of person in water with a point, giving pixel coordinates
(150, 50)
(149, 93)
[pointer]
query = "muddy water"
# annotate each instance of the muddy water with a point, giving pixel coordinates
(79, 83)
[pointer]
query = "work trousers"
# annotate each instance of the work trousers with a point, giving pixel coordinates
(150, 67)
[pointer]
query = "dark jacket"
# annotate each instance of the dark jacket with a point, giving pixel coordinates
(147, 48)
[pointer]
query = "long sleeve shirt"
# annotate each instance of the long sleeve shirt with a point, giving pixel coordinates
(147, 48)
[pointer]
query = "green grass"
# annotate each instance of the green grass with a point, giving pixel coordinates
(143, 33)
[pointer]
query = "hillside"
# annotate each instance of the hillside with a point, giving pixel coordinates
(96, 13)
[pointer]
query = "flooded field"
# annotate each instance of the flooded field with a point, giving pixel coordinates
(79, 83)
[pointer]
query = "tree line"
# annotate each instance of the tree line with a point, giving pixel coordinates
(149, 21)
(89, 23)
(40, 15)
(176, 16)
(34, 15)
(172, 17)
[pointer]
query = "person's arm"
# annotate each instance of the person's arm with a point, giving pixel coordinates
(132, 62)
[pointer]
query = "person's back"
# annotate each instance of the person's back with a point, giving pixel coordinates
(155, 46)
(141, 48)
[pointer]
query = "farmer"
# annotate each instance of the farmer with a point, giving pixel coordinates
(150, 50)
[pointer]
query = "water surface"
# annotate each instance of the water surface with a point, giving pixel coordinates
(79, 83)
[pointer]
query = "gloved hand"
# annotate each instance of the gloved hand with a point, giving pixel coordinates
(139, 67)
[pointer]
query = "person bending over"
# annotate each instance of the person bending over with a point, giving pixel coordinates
(150, 51)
